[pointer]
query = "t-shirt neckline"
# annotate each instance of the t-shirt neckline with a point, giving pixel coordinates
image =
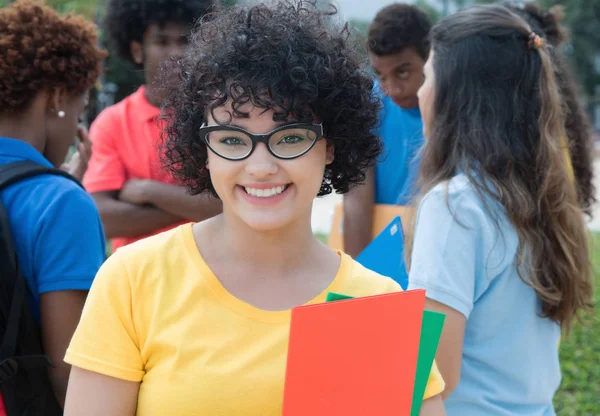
(243, 308)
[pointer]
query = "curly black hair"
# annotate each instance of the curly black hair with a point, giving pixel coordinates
(290, 58)
(397, 27)
(127, 20)
(577, 124)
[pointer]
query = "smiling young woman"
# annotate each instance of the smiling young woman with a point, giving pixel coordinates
(267, 110)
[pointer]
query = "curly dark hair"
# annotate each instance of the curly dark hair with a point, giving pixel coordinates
(127, 20)
(577, 124)
(39, 49)
(397, 27)
(289, 58)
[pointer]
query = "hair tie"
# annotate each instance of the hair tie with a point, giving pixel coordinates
(535, 41)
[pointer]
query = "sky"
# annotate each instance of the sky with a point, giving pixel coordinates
(366, 9)
(362, 9)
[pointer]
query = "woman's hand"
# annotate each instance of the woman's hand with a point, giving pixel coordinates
(78, 164)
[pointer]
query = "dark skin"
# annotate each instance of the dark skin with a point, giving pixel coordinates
(358, 216)
(400, 76)
(143, 206)
(40, 126)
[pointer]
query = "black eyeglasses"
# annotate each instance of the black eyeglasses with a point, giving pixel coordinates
(286, 142)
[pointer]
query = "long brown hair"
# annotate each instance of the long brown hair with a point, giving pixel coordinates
(497, 110)
(577, 124)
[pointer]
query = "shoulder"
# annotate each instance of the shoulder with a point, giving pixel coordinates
(56, 198)
(457, 198)
(154, 255)
(360, 281)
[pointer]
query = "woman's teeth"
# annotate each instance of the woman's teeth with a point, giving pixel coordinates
(265, 193)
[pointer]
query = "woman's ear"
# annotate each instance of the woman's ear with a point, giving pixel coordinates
(330, 157)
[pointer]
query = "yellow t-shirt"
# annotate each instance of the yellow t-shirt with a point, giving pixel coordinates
(157, 314)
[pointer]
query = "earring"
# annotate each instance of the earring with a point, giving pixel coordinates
(61, 114)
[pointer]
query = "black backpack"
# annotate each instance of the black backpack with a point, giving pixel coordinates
(24, 382)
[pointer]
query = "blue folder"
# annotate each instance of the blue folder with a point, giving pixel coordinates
(385, 254)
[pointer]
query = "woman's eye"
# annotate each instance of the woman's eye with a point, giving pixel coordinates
(291, 140)
(232, 141)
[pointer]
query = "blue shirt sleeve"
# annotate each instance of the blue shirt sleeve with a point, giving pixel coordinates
(447, 249)
(70, 243)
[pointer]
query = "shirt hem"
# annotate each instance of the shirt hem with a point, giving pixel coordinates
(103, 186)
(434, 389)
(102, 367)
(69, 284)
(442, 296)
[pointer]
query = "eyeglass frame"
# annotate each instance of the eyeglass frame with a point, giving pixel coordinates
(262, 138)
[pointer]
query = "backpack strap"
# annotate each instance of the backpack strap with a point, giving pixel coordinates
(10, 174)
(14, 172)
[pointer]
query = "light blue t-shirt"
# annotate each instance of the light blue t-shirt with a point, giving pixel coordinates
(401, 132)
(55, 226)
(463, 259)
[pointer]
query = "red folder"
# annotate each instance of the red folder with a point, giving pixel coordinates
(354, 357)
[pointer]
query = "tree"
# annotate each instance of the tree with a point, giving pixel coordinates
(434, 13)
(582, 19)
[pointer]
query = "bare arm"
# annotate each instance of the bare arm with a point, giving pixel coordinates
(358, 216)
(433, 407)
(94, 394)
(123, 219)
(60, 312)
(171, 198)
(449, 352)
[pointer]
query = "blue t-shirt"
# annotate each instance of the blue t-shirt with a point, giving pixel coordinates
(401, 132)
(55, 226)
(463, 259)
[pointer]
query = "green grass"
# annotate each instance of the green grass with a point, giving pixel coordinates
(579, 393)
(321, 237)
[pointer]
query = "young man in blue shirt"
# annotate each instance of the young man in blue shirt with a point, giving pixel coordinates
(398, 48)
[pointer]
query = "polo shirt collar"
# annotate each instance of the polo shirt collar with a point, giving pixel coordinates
(145, 110)
(18, 149)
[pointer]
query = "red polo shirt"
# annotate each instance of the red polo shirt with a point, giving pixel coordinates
(125, 141)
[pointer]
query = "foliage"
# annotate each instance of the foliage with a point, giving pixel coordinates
(434, 13)
(582, 18)
(579, 393)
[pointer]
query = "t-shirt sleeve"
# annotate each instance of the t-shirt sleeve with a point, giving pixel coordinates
(106, 171)
(106, 340)
(70, 245)
(447, 248)
(435, 383)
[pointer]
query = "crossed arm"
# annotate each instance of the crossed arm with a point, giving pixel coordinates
(144, 206)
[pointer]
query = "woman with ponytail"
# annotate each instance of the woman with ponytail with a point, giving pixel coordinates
(500, 243)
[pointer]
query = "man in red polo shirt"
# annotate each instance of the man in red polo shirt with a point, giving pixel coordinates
(135, 196)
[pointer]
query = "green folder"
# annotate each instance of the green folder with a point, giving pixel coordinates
(431, 330)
